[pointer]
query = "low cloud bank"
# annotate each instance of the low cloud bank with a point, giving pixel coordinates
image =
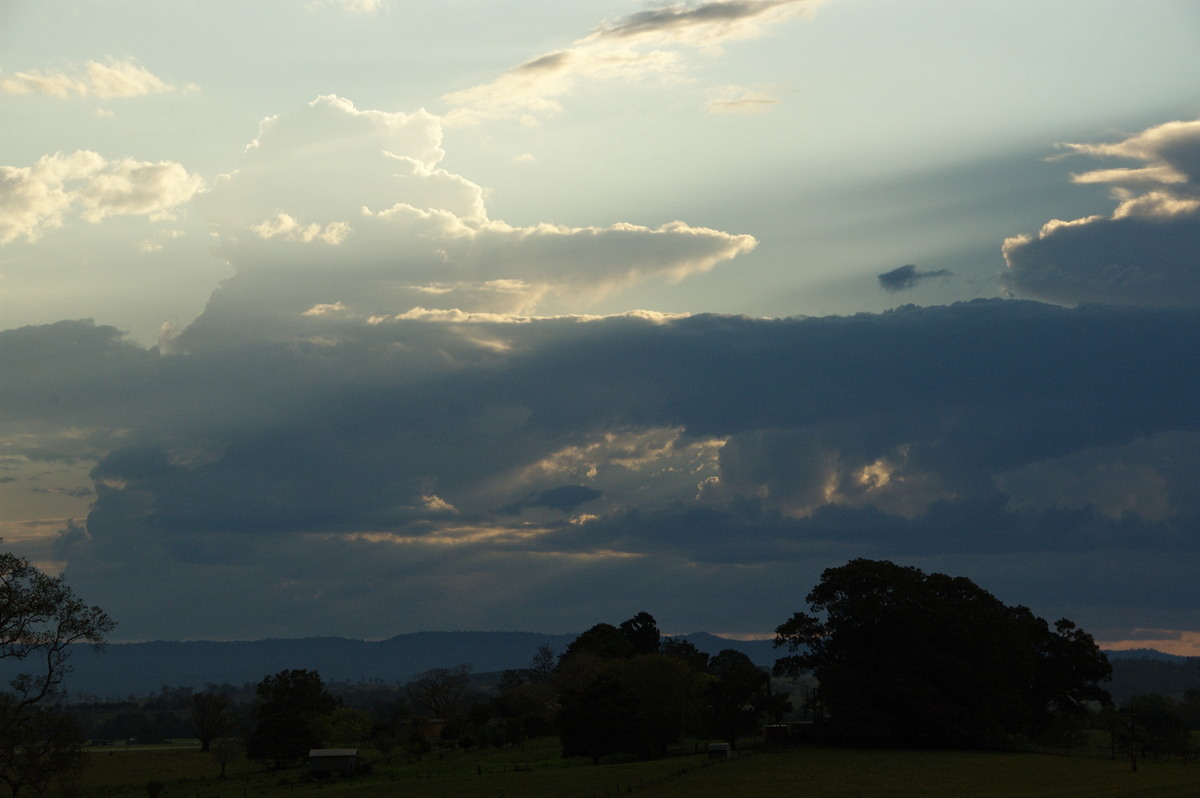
(525, 471)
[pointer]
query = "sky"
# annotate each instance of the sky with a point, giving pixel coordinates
(364, 317)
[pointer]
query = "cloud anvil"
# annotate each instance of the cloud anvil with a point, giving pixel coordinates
(380, 321)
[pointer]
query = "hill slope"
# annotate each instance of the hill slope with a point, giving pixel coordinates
(139, 669)
(124, 669)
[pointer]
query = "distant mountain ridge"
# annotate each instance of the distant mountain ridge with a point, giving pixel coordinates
(139, 669)
(1145, 653)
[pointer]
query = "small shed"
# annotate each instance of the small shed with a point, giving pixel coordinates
(328, 761)
(720, 751)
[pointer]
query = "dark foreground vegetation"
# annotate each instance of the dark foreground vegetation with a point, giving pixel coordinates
(898, 683)
(536, 769)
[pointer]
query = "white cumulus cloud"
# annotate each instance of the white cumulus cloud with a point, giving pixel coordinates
(36, 198)
(290, 229)
(115, 78)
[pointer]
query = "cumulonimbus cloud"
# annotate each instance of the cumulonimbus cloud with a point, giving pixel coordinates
(37, 198)
(114, 78)
(983, 434)
(337, 206)
(1146, 251)
(646, 43)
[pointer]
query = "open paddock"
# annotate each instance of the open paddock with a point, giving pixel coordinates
(537, 771)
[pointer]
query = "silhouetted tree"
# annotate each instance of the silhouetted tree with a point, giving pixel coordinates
(210, 717)
(289, 706)
(41, 620)
(1189, 709)
(904, 657)
(439, 692)
(642, 632)
(1156, 725)
(634, 706)
(594, 719)
(619, 695)
(541, 667)
(541, 670)
(528, 700)
(48, 747)
(737, 695)
(531, 708)
(603, 640)
(225, 750)
(684, 650)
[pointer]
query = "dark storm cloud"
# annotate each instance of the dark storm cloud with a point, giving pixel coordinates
(907, 276)
(325, 462)
(1128, 260)
(985, 387)
(745, 533)
(564, 499)
(67, 370)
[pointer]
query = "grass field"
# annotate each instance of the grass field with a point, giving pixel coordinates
(539, 772)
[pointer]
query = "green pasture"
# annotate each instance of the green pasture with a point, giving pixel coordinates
(538, 771)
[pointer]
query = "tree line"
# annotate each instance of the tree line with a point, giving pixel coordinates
(897, 657)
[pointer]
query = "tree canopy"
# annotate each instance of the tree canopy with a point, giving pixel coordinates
(440, 692)
(909, 658)
(628, 690)
(620, 695)
(289, 712)
(737, 695)
(40, 620)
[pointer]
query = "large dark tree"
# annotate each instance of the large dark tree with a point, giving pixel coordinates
(642, 633)
(210, 717)
(638, 635)
(541, 667)
(47, 746)
(620, 696)
(288, 709)
(684, 650)
(908, 658)
(594, 719)
(41, 620)
(603, 640)
(636, 706)
(737, 695)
